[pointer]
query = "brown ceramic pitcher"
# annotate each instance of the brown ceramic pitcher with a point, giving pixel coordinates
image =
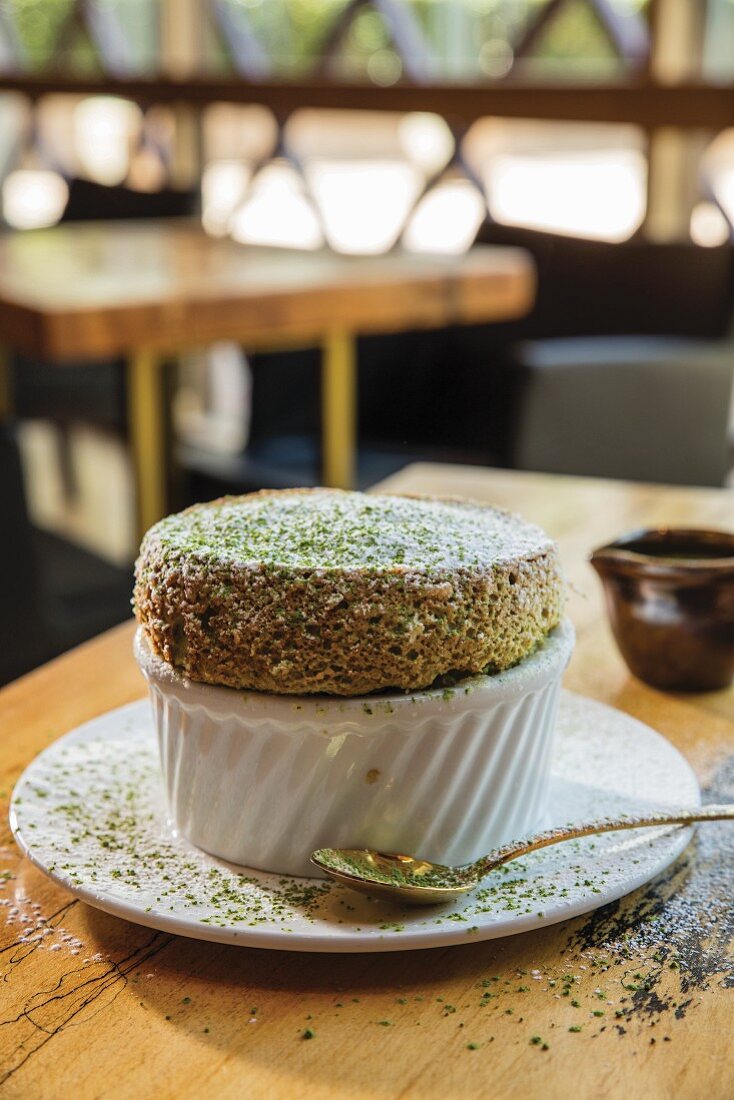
(670, 597)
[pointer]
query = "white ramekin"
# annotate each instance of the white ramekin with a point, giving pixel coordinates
(263, 780)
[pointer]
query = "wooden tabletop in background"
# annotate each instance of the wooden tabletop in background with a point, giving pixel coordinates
(648, 980)
(107, 288)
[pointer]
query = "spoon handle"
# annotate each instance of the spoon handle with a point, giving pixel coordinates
(518, 848)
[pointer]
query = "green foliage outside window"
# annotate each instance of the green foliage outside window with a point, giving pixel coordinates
(469, 39)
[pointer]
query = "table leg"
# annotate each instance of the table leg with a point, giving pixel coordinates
(339, 410)
(6, 388)
(148, 436)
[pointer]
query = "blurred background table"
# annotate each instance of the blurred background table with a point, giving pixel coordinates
(148, 290)
(649, 1009)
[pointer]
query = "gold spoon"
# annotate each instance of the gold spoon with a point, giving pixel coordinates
(418, 882)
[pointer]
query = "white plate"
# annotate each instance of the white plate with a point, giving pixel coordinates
(89, 812)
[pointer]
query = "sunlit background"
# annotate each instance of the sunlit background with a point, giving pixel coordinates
(583, 180)
(570, 178)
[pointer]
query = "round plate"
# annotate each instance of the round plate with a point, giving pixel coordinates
(90, 813)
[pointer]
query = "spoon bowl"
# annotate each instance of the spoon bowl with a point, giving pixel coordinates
(393, 876)
(418, 882)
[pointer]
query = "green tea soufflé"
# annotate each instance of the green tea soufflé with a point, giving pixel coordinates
(345, 593)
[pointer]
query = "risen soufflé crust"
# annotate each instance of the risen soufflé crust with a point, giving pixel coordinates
(304, 591)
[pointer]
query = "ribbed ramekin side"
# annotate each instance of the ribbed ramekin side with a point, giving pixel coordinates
(264, 787)
(176, 729)
(538, 784)
(491, 785)
(259, 794)
(449, 789)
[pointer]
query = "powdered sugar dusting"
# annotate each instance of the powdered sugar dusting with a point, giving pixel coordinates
(324, 529)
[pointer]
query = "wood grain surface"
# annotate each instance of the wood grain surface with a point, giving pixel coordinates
(635, 1001)
(109, 288)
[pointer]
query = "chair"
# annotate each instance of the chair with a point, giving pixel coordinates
(640, 408)
(628, 372)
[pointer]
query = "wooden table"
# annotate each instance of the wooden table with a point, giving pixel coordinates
(149, 290)
(152, 1015)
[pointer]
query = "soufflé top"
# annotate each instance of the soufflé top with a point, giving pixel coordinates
(304, 591)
